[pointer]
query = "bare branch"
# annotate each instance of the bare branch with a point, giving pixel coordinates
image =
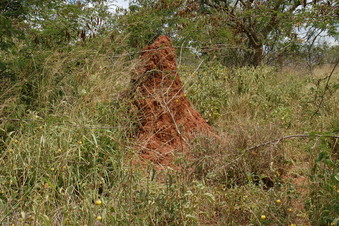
(326, 88)
(276, 141)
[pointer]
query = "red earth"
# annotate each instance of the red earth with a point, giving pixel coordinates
(167, 120)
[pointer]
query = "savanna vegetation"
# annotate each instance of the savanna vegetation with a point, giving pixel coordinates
(257, 71)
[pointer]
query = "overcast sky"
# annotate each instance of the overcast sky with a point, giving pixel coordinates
(122, 3)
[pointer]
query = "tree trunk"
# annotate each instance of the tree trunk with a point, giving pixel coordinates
(256, 47)
(256, 56)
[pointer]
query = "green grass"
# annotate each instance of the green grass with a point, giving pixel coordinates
(72, 142)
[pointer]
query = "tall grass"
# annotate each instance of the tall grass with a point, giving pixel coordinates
(67, 140)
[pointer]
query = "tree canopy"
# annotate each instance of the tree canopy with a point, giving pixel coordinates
(249, 27)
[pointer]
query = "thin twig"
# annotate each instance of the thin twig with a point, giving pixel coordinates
(326, 88)
(276, 141)
(180, 55)
(216, 47)
(73, 125)
(10, 119)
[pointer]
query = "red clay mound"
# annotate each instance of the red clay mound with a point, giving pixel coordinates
(168, 121)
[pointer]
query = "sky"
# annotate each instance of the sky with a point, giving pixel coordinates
(122, 3)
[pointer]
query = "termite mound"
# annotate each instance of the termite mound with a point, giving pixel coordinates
(167, 120)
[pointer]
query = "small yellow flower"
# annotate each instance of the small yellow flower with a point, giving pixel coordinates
(289, 210)
(10, 150)
(79, 142)
(177, 101)
(185, 94)
(99, 218)
(16, 141)
(98, 202)
(278, 201)
(293, 225)
(263, 217)
(40, 127)
(52, 169)
(36, 116)
(59, 150)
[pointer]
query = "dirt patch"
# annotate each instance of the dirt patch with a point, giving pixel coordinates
(167, 120)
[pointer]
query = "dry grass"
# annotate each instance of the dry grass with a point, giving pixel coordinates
(73, 144)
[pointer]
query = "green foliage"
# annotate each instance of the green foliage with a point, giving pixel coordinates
(143, 24)
(206, 89)
(67, 130)
(58, 23)
(234, 32)
(325, 182)
(74, 145)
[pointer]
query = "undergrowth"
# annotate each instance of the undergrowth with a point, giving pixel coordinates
(67, 141)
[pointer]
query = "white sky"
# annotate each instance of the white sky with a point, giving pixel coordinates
(122, 3)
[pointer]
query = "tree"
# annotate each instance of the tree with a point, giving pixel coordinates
(259, 23)
(29, 25)
(12, 13)
(49, 23)
(147, 19)
(246, 25)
